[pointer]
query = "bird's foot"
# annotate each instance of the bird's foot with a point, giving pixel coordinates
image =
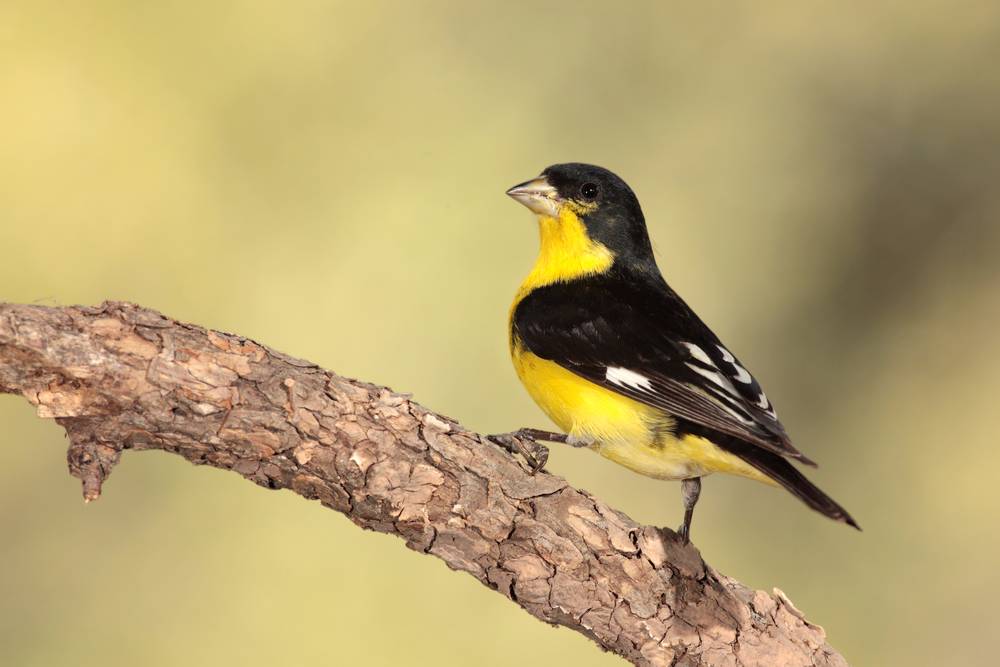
(525, 442)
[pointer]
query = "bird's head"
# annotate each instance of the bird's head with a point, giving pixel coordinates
(576, 198)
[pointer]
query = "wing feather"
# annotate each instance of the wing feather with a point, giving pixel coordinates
(635, 336)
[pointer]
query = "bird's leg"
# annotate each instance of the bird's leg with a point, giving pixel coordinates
(539, 434)
(690, 490)
(524, 441)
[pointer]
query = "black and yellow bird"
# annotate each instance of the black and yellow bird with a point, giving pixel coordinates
(622, 365)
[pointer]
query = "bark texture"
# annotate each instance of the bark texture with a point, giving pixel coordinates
(120, 377)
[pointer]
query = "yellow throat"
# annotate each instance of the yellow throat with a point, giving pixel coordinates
(566, 252)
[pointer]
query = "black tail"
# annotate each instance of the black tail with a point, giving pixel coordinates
(784, 473)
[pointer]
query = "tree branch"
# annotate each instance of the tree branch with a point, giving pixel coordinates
(121, 377)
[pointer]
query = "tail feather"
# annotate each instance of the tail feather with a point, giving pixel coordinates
(784, 473)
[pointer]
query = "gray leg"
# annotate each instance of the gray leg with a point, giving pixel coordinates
(690, 490)
(539, 434)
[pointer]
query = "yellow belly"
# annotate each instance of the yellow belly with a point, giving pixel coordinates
(630, 433)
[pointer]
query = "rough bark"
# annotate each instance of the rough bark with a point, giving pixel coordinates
(121, 377)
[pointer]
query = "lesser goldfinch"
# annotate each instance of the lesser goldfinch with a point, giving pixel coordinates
(621, 363)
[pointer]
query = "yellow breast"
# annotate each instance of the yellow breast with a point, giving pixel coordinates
(582, 408)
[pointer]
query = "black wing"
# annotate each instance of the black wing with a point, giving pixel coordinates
(635, 336)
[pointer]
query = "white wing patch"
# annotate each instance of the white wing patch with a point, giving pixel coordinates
(765, 405)
(623, 377)
(722, 375)
(742, 374)
(699, 354)
(715, 377)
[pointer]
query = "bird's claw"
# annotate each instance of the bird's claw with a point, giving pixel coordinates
(534, 453)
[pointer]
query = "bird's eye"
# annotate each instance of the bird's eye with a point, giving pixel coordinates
(589, 191)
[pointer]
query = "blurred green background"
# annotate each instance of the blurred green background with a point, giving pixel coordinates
(821, 184)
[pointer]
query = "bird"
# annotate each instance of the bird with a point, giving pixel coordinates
(622, 365)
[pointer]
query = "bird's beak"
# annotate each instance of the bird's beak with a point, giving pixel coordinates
(538, 195)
